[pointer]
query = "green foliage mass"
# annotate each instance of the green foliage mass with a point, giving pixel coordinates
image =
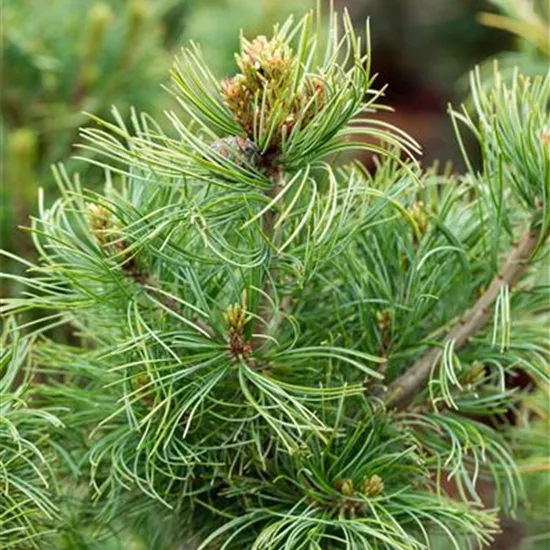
(248, 304)
(26, 480)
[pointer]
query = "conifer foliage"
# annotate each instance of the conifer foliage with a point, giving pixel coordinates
(281, 350)
(26, 503)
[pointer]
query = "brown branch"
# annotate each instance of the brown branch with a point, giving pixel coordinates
(203, 325)
(403, 389)
(148, 283)
(151, 286)
(132, 268)
(104, 229)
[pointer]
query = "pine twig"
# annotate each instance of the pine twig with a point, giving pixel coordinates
(203, 325)
(402, 390)
(152, 286)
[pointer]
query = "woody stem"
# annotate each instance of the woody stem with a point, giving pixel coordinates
(400, 392)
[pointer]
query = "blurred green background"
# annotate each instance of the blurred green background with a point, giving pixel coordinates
(61, 58)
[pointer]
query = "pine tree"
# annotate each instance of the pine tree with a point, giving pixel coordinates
(280, 349)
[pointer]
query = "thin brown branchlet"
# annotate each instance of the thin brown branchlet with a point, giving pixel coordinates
(264, 95)
(267, 316)
(107, 233)
(384, 323)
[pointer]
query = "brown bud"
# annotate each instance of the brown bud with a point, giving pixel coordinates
(239, 150)
(345, 486)
(139, 384)
(372, 486)
(474, 374)
(235, 318)
(100, 223)
(384, 321)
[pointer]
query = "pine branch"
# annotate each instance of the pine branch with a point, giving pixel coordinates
(280, 444)
(152, 286)
(402, 390)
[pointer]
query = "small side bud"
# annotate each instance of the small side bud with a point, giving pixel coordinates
(383, 319)
(384, 322)
(345, 486)
(100, 223)
(474, 375)
(235, 318)
(372, 486)
(139, 385)
(107, 233)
